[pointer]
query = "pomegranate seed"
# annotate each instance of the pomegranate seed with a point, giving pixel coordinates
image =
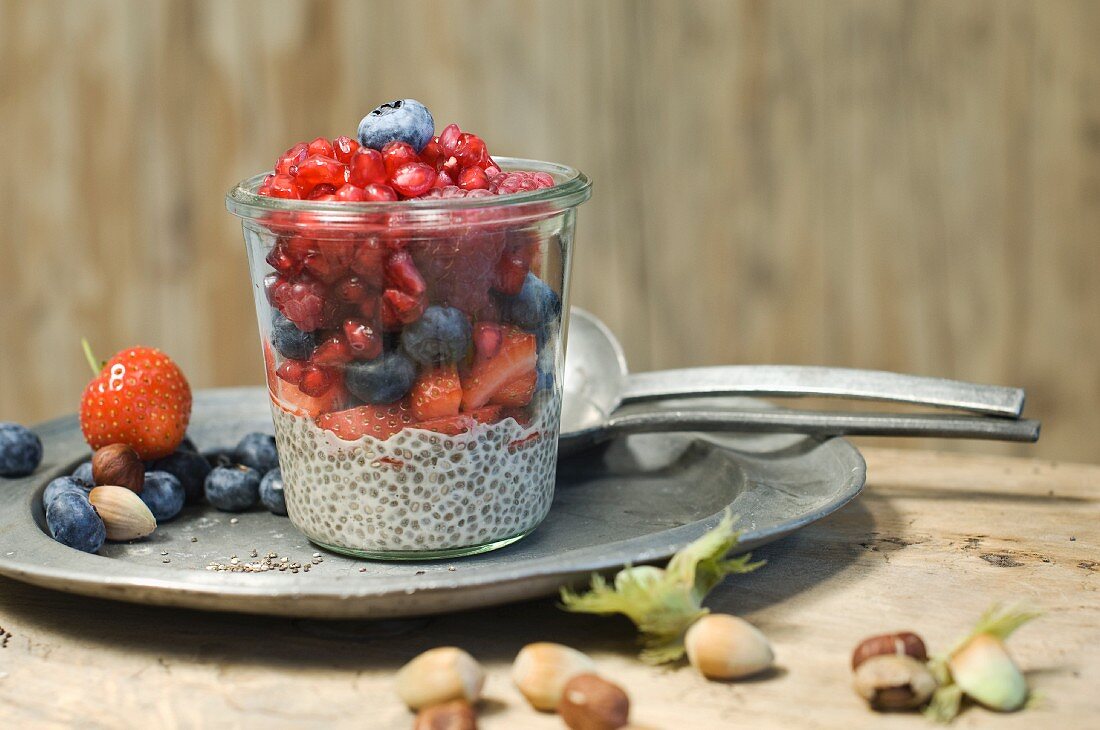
(380, 193)
(402, 274)
(288, 163)
(544, 179)
(443, 179)
(470, 150)
(488, 337)
(435, 192)
(365, 341)
(479, 193)
(318, 170)
(283, 186)
(315, 381)
(333, 351)
(398, 154)
(492, 170)
(366, 167)
(413, 179)
(343, 148)
(453, 191)
(510, 273)
(350, 194)
(448, 138)
(280, 259)
(473, 178)
(321, 146)
(368, 262)
(352, 290)
(399, 308)
(452, 167)
(291, 371)
(324, 189)
(371, 308)
(432, 154)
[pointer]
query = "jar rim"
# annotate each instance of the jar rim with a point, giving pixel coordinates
(572, 187)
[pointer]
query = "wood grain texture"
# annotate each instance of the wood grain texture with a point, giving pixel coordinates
(899, 185)
(933, 541)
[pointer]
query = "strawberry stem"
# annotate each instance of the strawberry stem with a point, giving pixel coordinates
(92, 361)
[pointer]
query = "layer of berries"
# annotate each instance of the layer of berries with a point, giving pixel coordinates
(378, 328)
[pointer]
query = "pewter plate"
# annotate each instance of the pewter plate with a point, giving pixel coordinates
(637, 500)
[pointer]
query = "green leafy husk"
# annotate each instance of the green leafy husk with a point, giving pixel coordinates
(998, 621)
(664, 603)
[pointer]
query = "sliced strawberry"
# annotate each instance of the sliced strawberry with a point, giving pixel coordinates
(378, 421)
(487, 339)
(516, 393)
(522, 416)
(516, 359)
(437, 393)
(454, 425)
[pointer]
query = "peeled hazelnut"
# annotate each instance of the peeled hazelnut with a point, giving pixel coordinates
(541, 670)
(727, 647)
(453, 715)
(118, 465)
(589, 702)
(902, 643)
(123, 513)
(440, 675)
(984, 670)
(894, 682)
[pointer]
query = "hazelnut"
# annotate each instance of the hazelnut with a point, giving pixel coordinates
(902, 643)
(440, 675)
(542, 669)
(453, 715)
(894, 682)
(120, 466)
(123, 513)
(589, 702)
(727, 647)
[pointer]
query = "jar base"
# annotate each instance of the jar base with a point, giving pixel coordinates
(416, 555)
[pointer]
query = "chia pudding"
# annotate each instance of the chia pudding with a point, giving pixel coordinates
(411, 291)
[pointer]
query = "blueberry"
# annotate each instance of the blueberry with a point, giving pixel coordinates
(271, 492)
(405, 120)
(221, 457)
(189, 468)
(20, 450)
(289, 340)
(84, 472)
(257, 450)
(536, 305)
(233, 488)
(442, 334)
(163, 495)
(382, 380)
(73, 521)
(61, 485)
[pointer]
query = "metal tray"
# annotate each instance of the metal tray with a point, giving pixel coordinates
(636, 500)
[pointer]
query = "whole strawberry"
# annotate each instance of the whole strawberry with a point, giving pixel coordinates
(139, 398)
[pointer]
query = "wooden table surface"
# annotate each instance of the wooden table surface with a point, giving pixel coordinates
(932, 542)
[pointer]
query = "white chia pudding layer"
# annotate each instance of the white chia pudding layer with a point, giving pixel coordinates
(418, 490)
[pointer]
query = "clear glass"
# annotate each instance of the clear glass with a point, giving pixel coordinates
(464, 460)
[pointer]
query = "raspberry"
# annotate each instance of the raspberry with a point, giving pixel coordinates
(304, 303)
(288, 163)
(316, 170)
(401, 273)
(366, 167)
(460, 271)
(364, 340)
(343, 148)
(413, 179)
(473, 178)
(351, 194)
(380, 193)
(321, 146)
(396, 155)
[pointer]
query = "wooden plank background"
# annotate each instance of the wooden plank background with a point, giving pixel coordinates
(901, 185)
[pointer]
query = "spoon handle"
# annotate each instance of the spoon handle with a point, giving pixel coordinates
(825, 423)
(797, 380)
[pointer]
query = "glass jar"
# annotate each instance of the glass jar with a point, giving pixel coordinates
(414, 356)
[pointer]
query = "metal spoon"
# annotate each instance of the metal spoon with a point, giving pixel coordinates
(598, 383)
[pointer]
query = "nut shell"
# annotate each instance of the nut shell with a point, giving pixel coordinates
(727, 647)
(123, 513)
(440, 675)
(902, 643)
(453, 715)
(541, 670)
(589, 702)
(894, 682)
(120, 466)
